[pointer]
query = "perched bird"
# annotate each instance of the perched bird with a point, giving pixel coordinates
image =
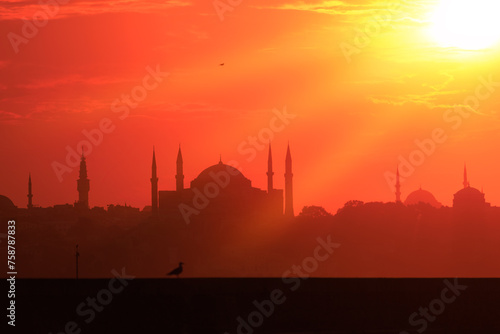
(177, 271)
(221, 64)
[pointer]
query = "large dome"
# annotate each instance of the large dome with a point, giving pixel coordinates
(468, 197)
(6, 204)
(221, 174)
(422, 196)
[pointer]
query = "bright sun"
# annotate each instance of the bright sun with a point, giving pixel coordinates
(466, 24)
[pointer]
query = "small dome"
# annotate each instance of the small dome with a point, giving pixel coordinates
(422, 196)
(219, 173)
(6, 204)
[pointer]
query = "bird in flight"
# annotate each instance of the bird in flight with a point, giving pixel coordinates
(177, 271)
(222, 64)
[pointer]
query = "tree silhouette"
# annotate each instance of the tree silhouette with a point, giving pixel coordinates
(314, 211)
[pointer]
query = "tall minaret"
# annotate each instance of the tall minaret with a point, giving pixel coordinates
(288, 184)
(30, 195)
(398, 187)
(179, 178)
(269, 171)
(154, 186)
(83, 185)
(466, 182)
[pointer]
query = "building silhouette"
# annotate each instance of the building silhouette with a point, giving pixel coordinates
(270, 172)
(30, 194)
(288, 184)
(466, 200)
(469, 199)
(154, 186)
(179, 177)
(422, 196)
(83, 186)
(6, 205)
(223, 192)
(398, 187)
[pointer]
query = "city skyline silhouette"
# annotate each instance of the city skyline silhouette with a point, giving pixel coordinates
(171, 197)
(220, 206)
(244, 167)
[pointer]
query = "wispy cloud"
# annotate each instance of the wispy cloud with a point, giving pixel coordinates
(17, 10)
(399, 11)
(72, 80)
(325, 7)
(9, 116)
(430, 100)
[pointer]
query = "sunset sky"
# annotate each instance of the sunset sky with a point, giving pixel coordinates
(362, 81)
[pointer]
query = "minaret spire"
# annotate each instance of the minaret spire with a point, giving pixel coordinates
(288, 184)
(83, 185)
(30, 195)
(180, 176)
(154, 186)
(398, 187)
(270, 172)
(466, 182)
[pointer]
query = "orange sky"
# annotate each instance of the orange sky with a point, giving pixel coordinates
(355, 115)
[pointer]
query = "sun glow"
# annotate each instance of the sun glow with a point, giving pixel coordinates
(465, 24)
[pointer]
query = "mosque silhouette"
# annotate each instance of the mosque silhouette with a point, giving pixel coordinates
(221, 191)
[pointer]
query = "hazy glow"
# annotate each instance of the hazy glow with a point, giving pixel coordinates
(470, 25)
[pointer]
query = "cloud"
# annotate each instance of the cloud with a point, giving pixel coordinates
(9, 116)
(18, 10)
(323, 7)
(429, 100)
(444, 84)
(71, 80)
(401, 11)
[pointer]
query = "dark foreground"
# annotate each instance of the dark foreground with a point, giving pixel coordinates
(256, 306)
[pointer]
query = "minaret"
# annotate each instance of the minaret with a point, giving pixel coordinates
(398, 187)
(30, 195)
(288, 184)
(180, 176)
(269, 171)
(154, 186)
(466, 182)
(83, 185)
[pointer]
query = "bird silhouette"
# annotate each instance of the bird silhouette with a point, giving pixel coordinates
(221, 64)
(177, 271)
